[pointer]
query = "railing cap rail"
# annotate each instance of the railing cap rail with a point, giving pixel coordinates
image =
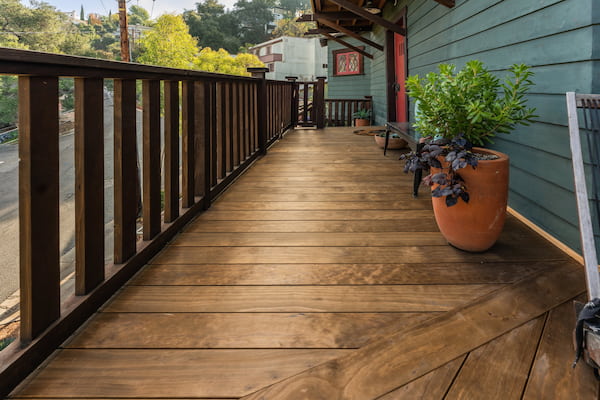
(28, 62)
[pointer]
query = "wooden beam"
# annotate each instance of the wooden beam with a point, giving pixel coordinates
(348, 45)
(447, 3)
(371, 17)
(348, 32)
(331, 15)
(318, 31)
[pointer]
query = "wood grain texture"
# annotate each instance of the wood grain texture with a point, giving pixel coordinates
(39, 258)
(126, 178)
(151, 199)
(171, 143)
(551, 375)
(334, 255)
(287, 239)
(338, 274)
(384, 365)
(433, 385)
(169, 373)
(239, 330)
(89, 181)
(500, 368)
(385, 298)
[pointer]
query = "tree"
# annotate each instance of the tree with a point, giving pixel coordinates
(81, 14)
(293, 6)
(213, 27)
(289, 27)
(168, 44)
(138, 16)
(254, 17)
(222, 62)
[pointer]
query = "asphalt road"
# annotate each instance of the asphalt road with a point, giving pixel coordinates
(9, 212)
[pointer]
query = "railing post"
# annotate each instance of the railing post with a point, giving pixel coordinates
(370, 107)
(38, 204)
(262, 108)
(89, 181)
(188, 108)
(319, 102)
(294, 100)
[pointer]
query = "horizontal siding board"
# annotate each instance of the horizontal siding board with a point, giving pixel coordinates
(569, 233)
(498, 16)
(536, 163)
(545, 194)
(547, 50)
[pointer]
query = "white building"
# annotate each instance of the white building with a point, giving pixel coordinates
(293, 56)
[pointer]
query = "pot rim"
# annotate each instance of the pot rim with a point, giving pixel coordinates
(481, 150)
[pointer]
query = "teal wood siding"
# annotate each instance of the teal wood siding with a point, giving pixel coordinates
(351, 86)
(559, 39)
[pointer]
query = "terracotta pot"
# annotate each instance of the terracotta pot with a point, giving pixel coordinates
(475, 226)
(361, 122)
(394, 143)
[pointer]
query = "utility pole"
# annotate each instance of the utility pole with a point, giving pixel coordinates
(124, 31)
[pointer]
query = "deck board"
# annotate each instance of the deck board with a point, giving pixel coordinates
(317, 275)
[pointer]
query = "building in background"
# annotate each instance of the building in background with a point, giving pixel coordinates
(293, 56)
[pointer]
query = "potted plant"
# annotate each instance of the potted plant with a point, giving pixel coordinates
(394, 141)
(362, 117)
(457, 110)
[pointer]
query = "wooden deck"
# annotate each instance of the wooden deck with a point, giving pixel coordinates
(318, 276)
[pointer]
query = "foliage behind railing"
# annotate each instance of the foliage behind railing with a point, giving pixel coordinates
(226, 122)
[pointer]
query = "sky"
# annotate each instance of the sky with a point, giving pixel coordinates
(157, 7)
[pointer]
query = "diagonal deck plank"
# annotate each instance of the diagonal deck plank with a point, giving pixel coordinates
(318, 270)
(386, 364)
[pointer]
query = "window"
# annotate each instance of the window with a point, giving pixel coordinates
(271, 67)
(268, 50)
(347, 62)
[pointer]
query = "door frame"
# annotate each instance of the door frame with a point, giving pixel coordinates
(390, 69)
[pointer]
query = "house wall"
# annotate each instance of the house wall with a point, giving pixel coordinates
(554, 37)
(350, 86)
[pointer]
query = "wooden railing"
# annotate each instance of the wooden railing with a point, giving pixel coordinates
(226, 123)
(315, 110)
(338, 112)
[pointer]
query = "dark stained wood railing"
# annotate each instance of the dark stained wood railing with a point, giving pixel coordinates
(338, 112)
(226, 123)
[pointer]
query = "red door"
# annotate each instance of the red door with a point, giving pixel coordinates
(400, 68)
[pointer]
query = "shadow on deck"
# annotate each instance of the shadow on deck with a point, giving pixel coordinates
(318, 276)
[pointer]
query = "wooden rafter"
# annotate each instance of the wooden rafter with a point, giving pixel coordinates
(371, 17)
(318, 31)
(447, 3)
(346, 44)
(348, 32)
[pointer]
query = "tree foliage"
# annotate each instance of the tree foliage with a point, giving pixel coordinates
(169, 44)
(289, 27)
(213, 27)
(222, 62)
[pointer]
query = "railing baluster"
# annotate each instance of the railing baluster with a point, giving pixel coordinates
(89, 184)
(220, 132)
(171, 139)
(215, 144)
(125, 170)
(257, 138)
(235, 111)
(207, 145)
(151, 156)
(38, 204)
(187, 144)
(229, 126)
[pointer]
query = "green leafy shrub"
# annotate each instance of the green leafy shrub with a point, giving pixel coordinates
(471, 103)
(361, 114)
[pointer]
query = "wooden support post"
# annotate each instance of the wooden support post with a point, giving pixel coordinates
(319, 102)
(125, 170)
(151, 157)
(208, 143)
(38, 204)
(262, 109)
(171, 139)
(89, 184)
(187, 144)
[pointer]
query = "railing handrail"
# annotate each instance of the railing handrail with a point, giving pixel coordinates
(16, 61)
